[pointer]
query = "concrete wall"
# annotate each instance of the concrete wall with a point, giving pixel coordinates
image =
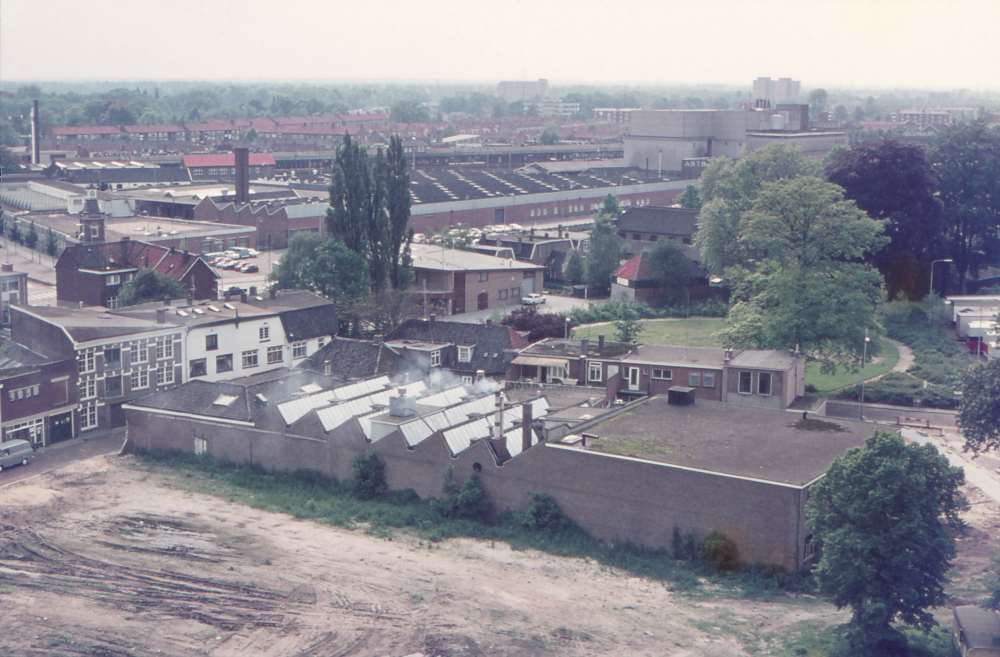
(614, 498)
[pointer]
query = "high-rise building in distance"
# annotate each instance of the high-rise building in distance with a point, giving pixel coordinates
(777, 91)
(513, 90)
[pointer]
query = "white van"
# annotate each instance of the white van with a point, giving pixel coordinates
(14, 452)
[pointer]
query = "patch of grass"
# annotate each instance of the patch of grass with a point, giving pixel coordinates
(676, 332)
(813, 639)
(847, 375)
(810, 424)
(633, 446)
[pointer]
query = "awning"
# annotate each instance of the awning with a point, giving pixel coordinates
(539, 360)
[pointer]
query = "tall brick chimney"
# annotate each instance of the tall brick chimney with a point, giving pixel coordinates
(242, 174)
(36, 138)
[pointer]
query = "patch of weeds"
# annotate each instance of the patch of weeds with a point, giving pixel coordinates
(633, 446)
(568, 634)
(810, 424)
(416, 598)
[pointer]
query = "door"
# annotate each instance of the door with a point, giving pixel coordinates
(483, 301)
(117, 416)
(633, 378)
(498, 216)
(458, 303)
(61, 427)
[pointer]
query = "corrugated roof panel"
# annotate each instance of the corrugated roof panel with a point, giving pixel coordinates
(335, 415)
(539, 407)
(460, 437)
(294, 410)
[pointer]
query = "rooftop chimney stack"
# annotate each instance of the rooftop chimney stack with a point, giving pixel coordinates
(253, 290)
(402, 406)
(433, 317)
(327, 368)
(498, 425)
(600, 342)
(242, 174)
(161, 315)
(526, 426)
(274, 292)
(584, 346)
(36, 137)
(243, 297)
(480, 375)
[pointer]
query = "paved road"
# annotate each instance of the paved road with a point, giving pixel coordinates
(975, 473)
(56, 456)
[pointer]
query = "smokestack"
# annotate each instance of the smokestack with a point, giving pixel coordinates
(600, 342)
(36, 137)
(526, 421)
(489, 322)
(243, 297)
(498, 425)
(584, 346)
(326, 367)
(242, 174)
(274, 292)
(402, 406)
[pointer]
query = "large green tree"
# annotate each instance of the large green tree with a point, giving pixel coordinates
(729, 189)
(575, 268)
(803, 282)
(398, 202)
(979, 412)
(892, 180)
(966, 159)
(880, 515)
(606, 251)
(690, 198)
(409, 111)
(148, 285)
(673, 269)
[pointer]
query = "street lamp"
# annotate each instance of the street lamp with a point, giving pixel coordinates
(932, 272)
(864, 359)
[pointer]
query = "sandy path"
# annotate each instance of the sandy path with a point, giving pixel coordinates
(106, 555)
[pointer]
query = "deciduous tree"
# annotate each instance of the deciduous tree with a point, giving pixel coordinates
(606, 251)
(674, 270)
(575, 269)
(966, 159)
(893, 180)
(803, 282)
(31, 237)
(398, 203)
(690, 198)
(880, 514)
(148, 285)
(628, 328)
(979, 412)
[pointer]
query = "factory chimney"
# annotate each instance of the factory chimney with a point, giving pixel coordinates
(36, 138)
(242, 174)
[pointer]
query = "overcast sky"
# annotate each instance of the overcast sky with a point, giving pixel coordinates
(938, 44)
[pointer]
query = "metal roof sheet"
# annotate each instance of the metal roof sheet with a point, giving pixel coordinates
(294, 410)
(335, 415)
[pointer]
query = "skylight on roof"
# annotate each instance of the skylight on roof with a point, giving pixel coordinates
(229, 306)
(224, 400)
(198, 311)
(311, 387)
(213, 309)
(181, 313)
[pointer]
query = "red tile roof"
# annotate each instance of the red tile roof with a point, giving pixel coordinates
(88, 130)
(516, 341)
(142, 129)
(226, 160)
(636, 269)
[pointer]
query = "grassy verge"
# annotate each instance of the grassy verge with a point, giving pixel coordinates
(677, 332)
(540, 525)
(847, 375)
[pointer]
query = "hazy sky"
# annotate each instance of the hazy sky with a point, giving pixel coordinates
(943, 44)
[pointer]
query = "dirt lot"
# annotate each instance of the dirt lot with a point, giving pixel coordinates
(110, 557)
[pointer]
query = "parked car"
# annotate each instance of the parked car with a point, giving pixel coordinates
(532, 299)
(249, 268)
(230, 264)
(14, 452)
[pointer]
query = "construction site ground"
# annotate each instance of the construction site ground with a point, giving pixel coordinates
(113, 556)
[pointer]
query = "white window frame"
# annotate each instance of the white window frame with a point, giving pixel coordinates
(88, 417)
(251, 359)
(299, 350)
(749, 389)
(465, 354)
(708, 380)
(138, 352)
(436, 358)
(663, 374)
(88, 389)
(264, 333)
(86, 358)
(275, 354)
(140, 379)
(595, 372)
(164, 347)
(694, 379)
(112, 279)
(165, 374)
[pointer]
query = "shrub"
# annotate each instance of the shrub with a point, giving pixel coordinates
(685, 546)
(543, 514)
(719, 553)
(369, 476)
(466, 501)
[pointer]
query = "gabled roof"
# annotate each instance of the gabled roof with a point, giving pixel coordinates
(128, 254)
(659, 220)
(356, 359)
(494, 346)
(14, 356)
(562, 348)
(306, 323)
(636, 269)
(226, 160)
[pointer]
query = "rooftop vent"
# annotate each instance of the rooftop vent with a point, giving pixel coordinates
(680, 396)
(224, 400)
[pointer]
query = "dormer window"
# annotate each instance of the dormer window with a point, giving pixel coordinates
(464, 354)
(436, 358)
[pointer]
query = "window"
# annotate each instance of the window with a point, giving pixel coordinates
(275, 354)
(320, 342)
(113, 279)
(112, 358)
(196, 172)
(88, 417)
(140, 379)
(764, 383)
(128, 277)
(111, 302)
(113, 386)
(708, 381)
(664, 375)
(693, 378)
(164, 347)
(746, 383)
(529, 274)
(197, 367)
(298, 350)
(88, 389)
(464, 354)
(686, 240)
(200, 446)
(250, 358)
(502, 295)
(164, 374)
(436, 358)
(85, 361)
(652, 238)
(594, 372)
(515, 292)
(224, 363)
(466, 380)
(264, 333)
(211, 342)
(138, 352)
(10, 286)
(484, 276)
(636, 236)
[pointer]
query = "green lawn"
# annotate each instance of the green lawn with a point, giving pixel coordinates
(844, 377)
(679, 332)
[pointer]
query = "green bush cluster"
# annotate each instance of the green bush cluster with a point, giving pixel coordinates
(467, 501)
(617, 309)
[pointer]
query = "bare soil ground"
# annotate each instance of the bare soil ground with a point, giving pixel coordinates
(112, 557)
